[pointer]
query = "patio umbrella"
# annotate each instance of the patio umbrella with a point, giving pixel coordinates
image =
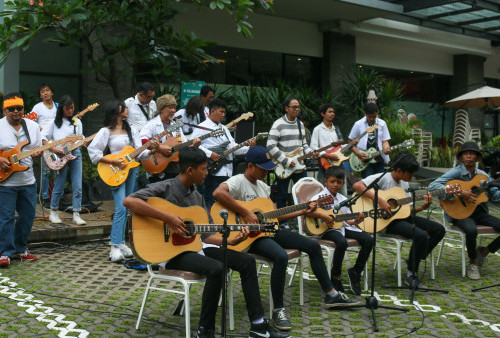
(482, 97)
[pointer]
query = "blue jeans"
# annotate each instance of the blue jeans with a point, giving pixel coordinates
(120, 217)
(14, 233)
(282, 194)
(44, 184)
(75, 171)
(372, 169)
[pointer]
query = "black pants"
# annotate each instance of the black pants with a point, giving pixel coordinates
(364, 239)
(272, 248)
(282, 193)
(469, 226)
(427, 236)
(245, 264)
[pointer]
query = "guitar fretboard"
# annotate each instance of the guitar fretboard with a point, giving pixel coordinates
(377, 153)
(169, 130)
(81, 142)
(406, 200)
(297, 207)
(190, 142)
(209, 228)
(333, 144)
(346, 217)
(45, 147)
(348, 148)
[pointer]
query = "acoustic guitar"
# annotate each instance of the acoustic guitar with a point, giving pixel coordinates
(56, 162)
(358, 165)
(459, 208)
(399, 203)
(317, 227)
(15, 155)
(342, 152)
(152, 241)
(265, 211)
(157, 163)
(114, 176)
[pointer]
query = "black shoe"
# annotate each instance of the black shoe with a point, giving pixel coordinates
(205, 333)
(340, 300)
(46, 203)
(265, 330)
(280, 320)
(337, 284)
(354, 281)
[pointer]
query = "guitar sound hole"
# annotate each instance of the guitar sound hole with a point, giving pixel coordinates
(259, 217)
(190, 227)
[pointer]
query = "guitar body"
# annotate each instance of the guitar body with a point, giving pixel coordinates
(14, 162)
(162, 162)
(317, 227)
(212, 166)
(458, 208)
(55, 162)
(398, 212)
(326, 163)
(258, 206)
(283, 172)
(357, 165)
(152, 241)
(112, 175)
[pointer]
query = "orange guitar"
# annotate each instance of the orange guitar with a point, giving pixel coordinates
(15, 155)
(152, 241)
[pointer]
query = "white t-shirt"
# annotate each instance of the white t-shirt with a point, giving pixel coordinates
(45, 115)
(382, 134)
(241, 189)
(386, 182)
(53, 133)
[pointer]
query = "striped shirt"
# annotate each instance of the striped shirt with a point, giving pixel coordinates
(284, 137)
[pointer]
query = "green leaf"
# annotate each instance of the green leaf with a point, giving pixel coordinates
(213, 5)
(19, 42)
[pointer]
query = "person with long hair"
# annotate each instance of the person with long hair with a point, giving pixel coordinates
(115, 135)
(192, 113)
(65, 125)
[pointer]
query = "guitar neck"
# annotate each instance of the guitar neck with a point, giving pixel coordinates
(83, 112)
(237, 120)
(42, 148)
(284, 211)
(190, 142)
(233, 149)
(348, 147)
(167, 131)
(333, 144)
(379, 152)
(210, 228)
(81, 142)
(440, 193)
(354, 215)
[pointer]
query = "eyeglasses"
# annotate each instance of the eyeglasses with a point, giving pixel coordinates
(14, 108)
(294, 107)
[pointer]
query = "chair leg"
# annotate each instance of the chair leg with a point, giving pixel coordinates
(144, 300)
(398, 254)
(463, 254)
(440, 251)
(293, 275)
(301, 280)
(187, 309)
(433, 272)
(271, 302)
(231, 301)
(366, 277)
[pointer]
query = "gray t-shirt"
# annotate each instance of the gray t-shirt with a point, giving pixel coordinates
(240, 188)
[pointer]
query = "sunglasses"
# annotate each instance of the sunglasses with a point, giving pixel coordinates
(14, 108)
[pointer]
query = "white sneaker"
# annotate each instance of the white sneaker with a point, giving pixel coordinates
(115, 254)
(54, 217)
(126, 250)
(473, 272)
(77, 219)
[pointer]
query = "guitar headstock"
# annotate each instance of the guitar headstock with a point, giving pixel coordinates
(408, 143)
(92, 107)
(246, 116)
(31, 116)
(177, 124)
(324, 200)
(218, 132)
(270, 227)
(261, 135)
(372, 128)
(453, 189)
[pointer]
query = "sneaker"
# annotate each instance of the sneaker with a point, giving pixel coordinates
(337, 284)
(280, 320)
(409, 280)
(480, 258)
(4, 261)
(46, 203)
(25, 256)
(265, 330)
(205, 333)
(115, 255)
(473, 272)
(126, 252)
(354, 281)
(340, 300)
(77, 219)
(54, 217)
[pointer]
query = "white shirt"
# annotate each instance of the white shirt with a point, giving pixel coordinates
(383, 134)
(322, 136)
(9, 139)
(206, 110)
(45, 115)
(211, 142)
(136, 117)
(386, 182)
(155, 127)
(187, 119)
(52, 133)
(345, 210)
(115, 143)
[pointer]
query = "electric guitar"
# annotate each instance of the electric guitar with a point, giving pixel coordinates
(342, 152)
(113, 175)
(358, 165)
(265, 211)
(157, 163)
(283, 172)
(242, 117)
(15, 155)
(86, 110)
(56, 162)
(317, 227)
(152, 241)
(400, 205)
(214, 166)
(459, 208)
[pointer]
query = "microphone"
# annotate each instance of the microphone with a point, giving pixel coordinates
(344, 203)
(412, 189)
(224, 214)
(488, 184)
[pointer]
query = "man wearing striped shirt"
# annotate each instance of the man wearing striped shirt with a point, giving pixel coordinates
(286, 135)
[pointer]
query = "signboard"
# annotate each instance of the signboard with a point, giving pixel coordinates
(190, 89)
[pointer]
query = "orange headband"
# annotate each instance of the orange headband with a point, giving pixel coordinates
(13, 101)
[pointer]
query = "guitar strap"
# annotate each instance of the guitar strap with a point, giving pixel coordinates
(300, 135)
(129, 134)
(144, 111)
(25, 128)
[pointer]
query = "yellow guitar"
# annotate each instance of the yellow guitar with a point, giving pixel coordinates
(317, 227)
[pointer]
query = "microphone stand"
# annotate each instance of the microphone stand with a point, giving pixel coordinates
(225, 234)
(371, 301)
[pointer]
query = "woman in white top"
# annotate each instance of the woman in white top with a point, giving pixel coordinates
(65, 125)
(116, 135)
(192, 113)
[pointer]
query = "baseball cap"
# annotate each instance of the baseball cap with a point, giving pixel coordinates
(260, 156)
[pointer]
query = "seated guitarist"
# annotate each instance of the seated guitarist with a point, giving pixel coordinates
(469, 155)
(427, 233)
(180, 191)
(334, 180)
(217, 109)
(248, 186)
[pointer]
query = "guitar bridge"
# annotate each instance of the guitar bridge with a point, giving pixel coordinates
(112, 168)
(166, 232)
(54, 157)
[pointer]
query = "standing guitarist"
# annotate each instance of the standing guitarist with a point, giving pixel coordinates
(427, 233)
(469, 155)
(17, 193)
(378, 139)
(217, 113)
(286, 135)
